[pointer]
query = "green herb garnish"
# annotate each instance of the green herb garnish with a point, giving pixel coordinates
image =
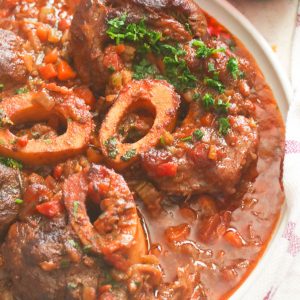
(128, 155)
(204, 51)
(208, 101)
(22, 90)
(87, 248)
(64, 263)
(198, 135)
(211, 67)
(215, 84)
(73, 244)
(187, 139)
(144, 69)
(176, 69)
(162, 141)
(222, 107)
(111, 69)
(75, 208)
(19, 201)
(196, 97)
(224, 126)
(10, 162)
(72, 285)
(111, 146)
(119, 31)
(233, 68)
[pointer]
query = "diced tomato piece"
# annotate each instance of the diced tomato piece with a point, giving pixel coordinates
(168, 169)
(22, 141)
(120, 48)
(48, 71)
(51, 57)
(65, 71)
(199, 155)
(49, 209)
(42, 33)
(112, 60)
(104, 288)
(64, 24)
(85, 94)
(57, 172)
(207, 119)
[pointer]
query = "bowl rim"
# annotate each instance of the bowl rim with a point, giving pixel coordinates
(278, 80)
(266, 59)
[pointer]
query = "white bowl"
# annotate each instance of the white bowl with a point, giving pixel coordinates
(277, 79)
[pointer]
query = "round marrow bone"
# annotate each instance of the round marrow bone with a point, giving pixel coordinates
(117, 234)
(156, 96)
(27, 108)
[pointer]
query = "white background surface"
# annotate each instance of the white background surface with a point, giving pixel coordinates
(275, 19)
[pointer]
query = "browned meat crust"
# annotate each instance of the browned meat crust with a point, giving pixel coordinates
(44, 261)
(12, 67)
(10, 190)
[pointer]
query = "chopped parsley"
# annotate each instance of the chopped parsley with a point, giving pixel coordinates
(72, 285)
(204, 51)
(187, 139)
(10, 162)
(111, 69)
(198, 135)
(196, 96)
(176, 69)
(111, 147)
(64, 263)
(222, 107)
(144, 69)
(128, 155)
(224, 126)
(188, 27)
(233, 68)
(116, 28)
(87, 248)
(73, 244)
(19, 201)
(119, 31)
(215, 84)
(22, 90)
(75, 208)
(162, 141)
(208, 101)
(211, 67)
